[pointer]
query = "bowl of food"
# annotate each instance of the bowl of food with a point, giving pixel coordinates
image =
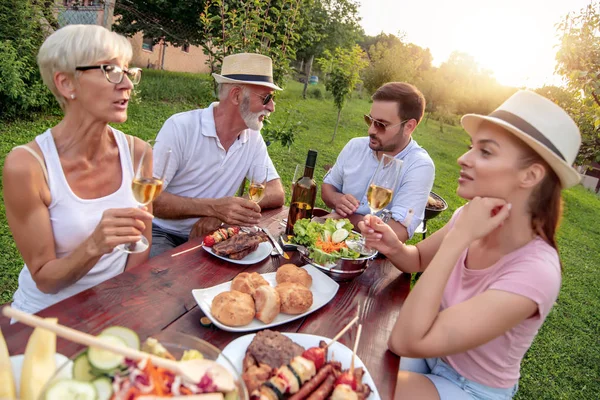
(101, 375)
(435, 205)
(332, 247)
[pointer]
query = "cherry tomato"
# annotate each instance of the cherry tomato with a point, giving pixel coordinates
(316, 355)
(209, 241)
(346, 379)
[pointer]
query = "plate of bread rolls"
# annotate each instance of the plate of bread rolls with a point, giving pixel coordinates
(253, 301)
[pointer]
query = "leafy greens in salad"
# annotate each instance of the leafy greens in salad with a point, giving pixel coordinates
(326, 242)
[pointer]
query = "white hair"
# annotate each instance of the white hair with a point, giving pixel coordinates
(223, 89)
(79, 45)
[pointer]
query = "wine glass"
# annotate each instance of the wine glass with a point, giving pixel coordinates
(145, 187)
(258, 182)
(298, 173)
(380, 192)
(383, 182)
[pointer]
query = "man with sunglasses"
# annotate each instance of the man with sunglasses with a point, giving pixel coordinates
(213, 150)
(396, 111)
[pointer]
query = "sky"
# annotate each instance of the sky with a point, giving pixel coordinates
(516, 39)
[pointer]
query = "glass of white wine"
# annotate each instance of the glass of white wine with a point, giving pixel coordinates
(383, 182)
(380, 192)
(146, 187)
(258, 182)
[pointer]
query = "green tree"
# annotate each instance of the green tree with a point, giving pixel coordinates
(22, 31)
(220, 27)
(394, 61)
(578, 61)
(329, 24)
(343, 68)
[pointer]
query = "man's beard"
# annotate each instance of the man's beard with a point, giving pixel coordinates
(390, 147)
(250, 118)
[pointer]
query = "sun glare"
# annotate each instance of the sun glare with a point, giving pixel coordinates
(514, 39)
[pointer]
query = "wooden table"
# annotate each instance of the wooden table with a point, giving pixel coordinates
(156, 296)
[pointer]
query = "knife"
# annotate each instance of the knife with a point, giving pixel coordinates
(275, 243)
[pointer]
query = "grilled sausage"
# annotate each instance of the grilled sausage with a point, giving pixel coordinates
(313, 383)
(324, 390)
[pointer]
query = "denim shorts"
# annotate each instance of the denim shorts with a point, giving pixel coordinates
(450, 384)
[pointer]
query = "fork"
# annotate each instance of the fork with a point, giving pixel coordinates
(275, 258)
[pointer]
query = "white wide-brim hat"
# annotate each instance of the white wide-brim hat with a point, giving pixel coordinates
(248, 69)
(542, 125)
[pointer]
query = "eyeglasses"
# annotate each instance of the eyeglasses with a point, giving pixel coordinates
(265, 99)
(381, 126)
(114, 73)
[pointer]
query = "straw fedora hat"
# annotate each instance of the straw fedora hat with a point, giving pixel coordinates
(247, 68)
(542, 125)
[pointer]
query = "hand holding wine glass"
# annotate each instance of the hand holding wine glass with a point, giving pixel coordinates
(381, 190)
(383, 182)
(146, 187)
(258, 183)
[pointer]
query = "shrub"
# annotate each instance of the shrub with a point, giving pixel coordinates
(184, 87)
(21, 35)
(315, 93)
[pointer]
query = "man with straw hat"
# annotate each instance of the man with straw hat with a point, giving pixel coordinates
(213, 150)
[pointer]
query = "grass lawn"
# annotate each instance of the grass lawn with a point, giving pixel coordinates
(564, 361)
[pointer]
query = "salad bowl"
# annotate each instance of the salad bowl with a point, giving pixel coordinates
(176, 344)
(331, 248)
(344, 268)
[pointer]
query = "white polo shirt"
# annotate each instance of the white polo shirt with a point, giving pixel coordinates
(199, 166)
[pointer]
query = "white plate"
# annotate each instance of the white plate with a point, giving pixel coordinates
(16, 363)
(236, 350)
(323, 288)
(263, 251)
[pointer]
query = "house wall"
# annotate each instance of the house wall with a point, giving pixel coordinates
(175, 59)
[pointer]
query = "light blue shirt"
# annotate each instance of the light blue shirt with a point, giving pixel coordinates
(357, 163)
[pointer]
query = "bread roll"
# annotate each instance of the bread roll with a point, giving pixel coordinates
(248, 282)
(295, 298)
(267, 303)
(233, 308)
(294, 274)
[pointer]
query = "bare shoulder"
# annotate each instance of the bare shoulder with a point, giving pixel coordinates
(19, 163)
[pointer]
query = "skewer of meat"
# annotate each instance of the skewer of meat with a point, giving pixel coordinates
(346, 384)
(220, 235)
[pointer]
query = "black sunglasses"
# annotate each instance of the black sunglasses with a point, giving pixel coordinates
(380, 126)
(114, 73)
(265, 99)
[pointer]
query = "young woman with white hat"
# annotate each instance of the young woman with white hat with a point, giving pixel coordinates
(492, 274)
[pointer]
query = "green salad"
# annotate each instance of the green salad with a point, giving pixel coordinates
(326, 242)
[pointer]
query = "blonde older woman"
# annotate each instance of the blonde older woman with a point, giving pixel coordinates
(68, 193)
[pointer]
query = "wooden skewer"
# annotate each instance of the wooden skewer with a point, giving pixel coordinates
(339, 335)
(190, 249)
(355, 348)
(192, 370)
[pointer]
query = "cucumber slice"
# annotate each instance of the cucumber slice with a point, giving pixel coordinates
(103, 388)
(340, 224)
(103, 360)
(71, 389)
(339, 236)
(233, 395)
(129, 337)
(82, 370)
(326, 236)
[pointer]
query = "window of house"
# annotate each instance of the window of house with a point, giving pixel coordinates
(186, 48)
(147, 43)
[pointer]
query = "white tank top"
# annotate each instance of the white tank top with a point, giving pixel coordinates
(74, 219)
